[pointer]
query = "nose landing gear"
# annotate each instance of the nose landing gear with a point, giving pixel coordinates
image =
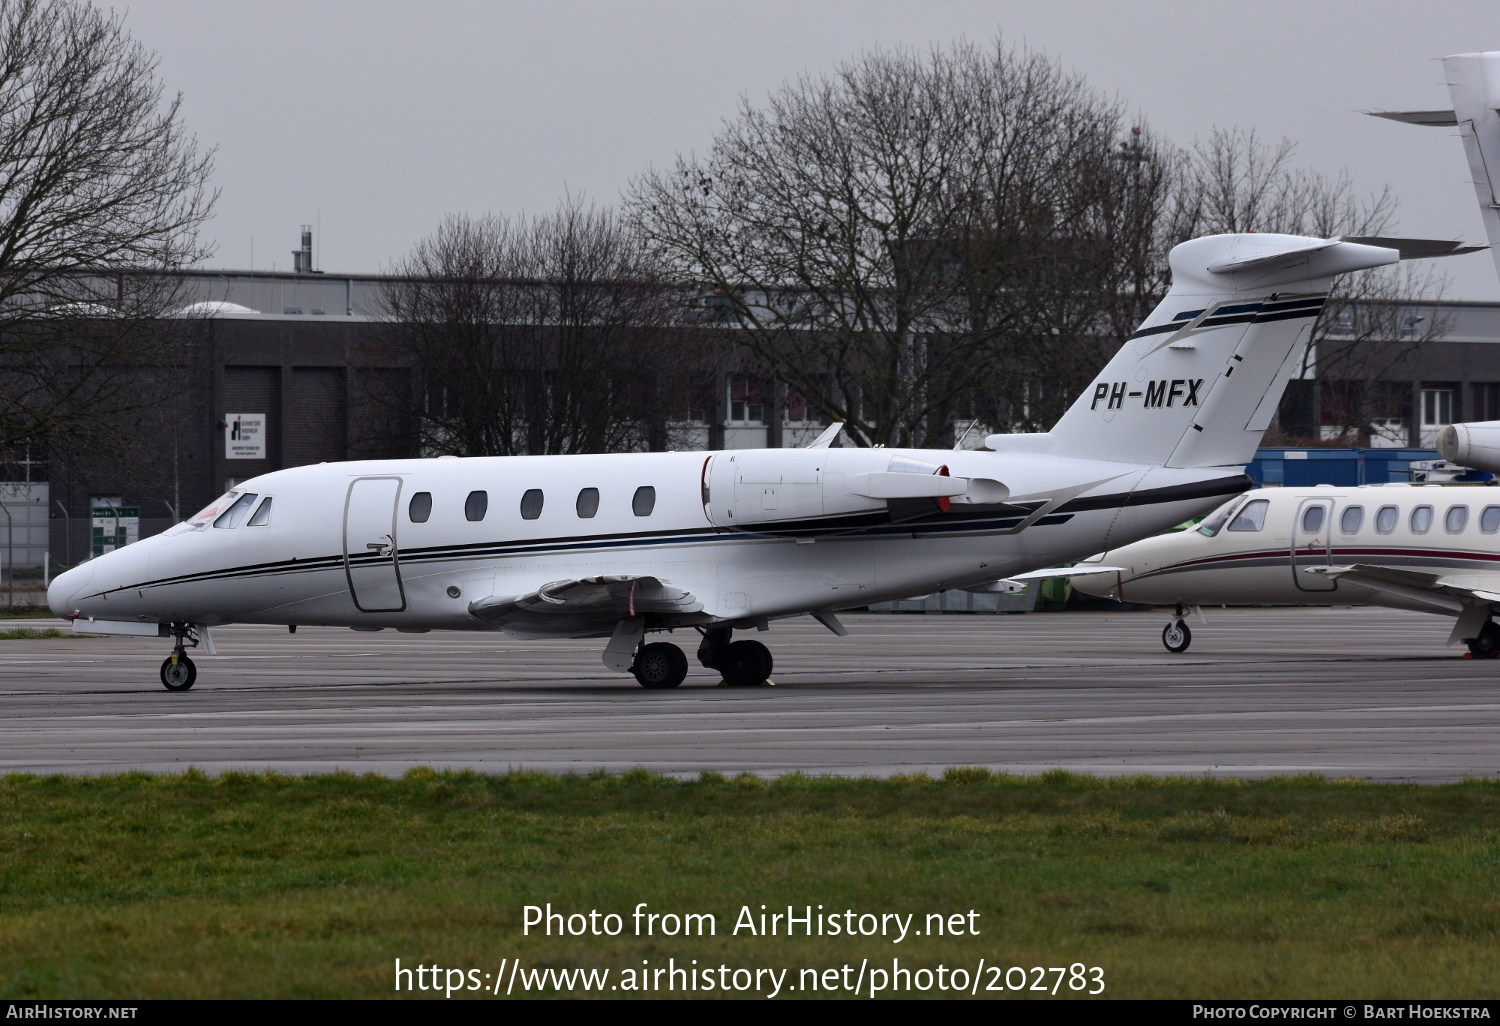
(1175, 636)
(178, 672)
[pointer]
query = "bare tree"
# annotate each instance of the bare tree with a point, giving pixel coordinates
(1234, 181)
(549, 334)
(102, 192)
(911, 234)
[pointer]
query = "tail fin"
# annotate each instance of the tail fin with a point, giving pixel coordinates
(1197, 385)
(1474, 85)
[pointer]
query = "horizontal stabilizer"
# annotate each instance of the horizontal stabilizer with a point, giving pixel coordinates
(1430, 118)
(1266, 257)
(1415, 249)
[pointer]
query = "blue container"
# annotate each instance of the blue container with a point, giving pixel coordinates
(1342, 467)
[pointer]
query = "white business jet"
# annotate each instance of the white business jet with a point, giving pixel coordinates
(1386, 545)
(622, 546)
(1428, 548)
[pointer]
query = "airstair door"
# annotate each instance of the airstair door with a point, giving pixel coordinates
(1312, 544)
(371, 559)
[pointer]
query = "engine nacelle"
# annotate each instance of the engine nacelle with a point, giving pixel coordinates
(1474, 445)
(822, 491)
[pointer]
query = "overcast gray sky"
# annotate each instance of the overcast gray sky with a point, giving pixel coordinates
(377, 118)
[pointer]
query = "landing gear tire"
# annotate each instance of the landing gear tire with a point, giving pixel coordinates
(1487, 644)
(1176, 636)
(660, 665)
(178, 673)
(745, 664)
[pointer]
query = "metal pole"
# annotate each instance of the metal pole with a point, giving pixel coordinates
(10, 557)
(67, 533)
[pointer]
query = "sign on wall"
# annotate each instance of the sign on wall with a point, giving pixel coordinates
(115, 527)
(245, 436)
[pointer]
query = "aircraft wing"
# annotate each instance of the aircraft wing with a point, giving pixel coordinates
(588, 606)
(1440, 591)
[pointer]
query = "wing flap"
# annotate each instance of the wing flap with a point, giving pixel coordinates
(584, 606)
(1436, 590)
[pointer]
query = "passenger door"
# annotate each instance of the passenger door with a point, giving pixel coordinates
(371, 559)
(1312, 544)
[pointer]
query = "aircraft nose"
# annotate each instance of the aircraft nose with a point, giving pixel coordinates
(66, 585)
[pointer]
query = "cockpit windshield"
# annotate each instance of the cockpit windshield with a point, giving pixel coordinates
(214, 508)
(1215, 521)
(231, 517)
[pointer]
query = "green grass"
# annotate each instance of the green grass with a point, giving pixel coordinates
(263, 885)
(15, 633)
(21, 611)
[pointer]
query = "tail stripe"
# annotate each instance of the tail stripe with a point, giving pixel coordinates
(1245, 313)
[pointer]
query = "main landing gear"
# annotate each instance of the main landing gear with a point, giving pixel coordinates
(662, 665)
(1175, 635)
(178, 672)
(1487, 644)
(744, 664)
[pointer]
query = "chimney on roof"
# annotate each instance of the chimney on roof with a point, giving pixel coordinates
(302, 258)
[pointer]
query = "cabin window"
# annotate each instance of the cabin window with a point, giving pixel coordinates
(476, 505)
(1352, 519)
(1385, 519)
(420, 507)
(588, 502)
(262, 515)
(1252, 517)
(1489, 519)
(1456, 519)
(1421, 519)
(531, 504)
(1312, 519)
(644, 501)
(231, 517)
(1215, 521)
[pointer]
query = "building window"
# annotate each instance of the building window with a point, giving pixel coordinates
(747, 399)
(588, 502)
(476, 505)
(531, 504)
(1437, 407)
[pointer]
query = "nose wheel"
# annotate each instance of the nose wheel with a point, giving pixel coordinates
(1176, 636)
(178, 672)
